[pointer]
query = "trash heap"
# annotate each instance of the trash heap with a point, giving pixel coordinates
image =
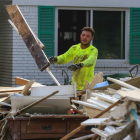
(114, 111)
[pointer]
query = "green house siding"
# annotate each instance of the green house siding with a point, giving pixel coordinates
(46, 23)
(134, 36)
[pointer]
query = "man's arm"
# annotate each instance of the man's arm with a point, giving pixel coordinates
(64, 58)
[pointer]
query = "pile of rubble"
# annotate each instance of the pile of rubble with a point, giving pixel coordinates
(114, 114)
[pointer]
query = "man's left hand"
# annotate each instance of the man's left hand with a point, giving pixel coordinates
(74, 67)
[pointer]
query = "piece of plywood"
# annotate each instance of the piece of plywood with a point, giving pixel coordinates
(91, 112)
(28, 37)
(105, 97)
(122, 83)
(87, 104)
(65, 90)
(131, 94)
(95, 121)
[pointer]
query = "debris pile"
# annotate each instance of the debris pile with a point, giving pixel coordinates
(113, 113)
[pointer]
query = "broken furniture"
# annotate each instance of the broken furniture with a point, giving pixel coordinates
(46, 126)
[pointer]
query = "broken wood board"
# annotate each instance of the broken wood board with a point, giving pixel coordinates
(95, 121)
(122, 83)
(65, 90)
(11, 89)
(28, 37)
(22, 82)
(98, 78)
(87, 104)
(133, 95)
(49, 106)
(91, 112)
(105, 97)
(27, 87)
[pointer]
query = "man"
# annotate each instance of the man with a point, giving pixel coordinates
(84, 57)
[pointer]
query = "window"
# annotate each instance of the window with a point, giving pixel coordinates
(70, 23)
(109, 31)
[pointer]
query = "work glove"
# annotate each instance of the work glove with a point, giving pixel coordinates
(53, 59)
(74, 67)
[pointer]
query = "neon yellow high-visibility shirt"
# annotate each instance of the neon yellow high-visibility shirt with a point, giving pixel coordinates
(86, 56)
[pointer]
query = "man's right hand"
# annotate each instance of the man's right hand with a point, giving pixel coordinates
(53, 59)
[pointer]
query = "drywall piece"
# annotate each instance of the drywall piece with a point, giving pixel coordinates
(49, 106)
(98, 102)
(87, 104)
(65, 90)
(91, 112)
(133, 95)
(120, 111)
(96, 121)
(109, 122)
(122, 83)
(105, 97)
(98, 78)
(84, 137)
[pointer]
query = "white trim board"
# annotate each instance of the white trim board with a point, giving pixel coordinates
(65, 90)
(96, 121)
(105, 97)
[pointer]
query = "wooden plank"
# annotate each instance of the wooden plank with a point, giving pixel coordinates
(122, 83)
(28, 37)
(12, 89)
(22, 81)
(27, 87)
(105, 97)
(95, 121)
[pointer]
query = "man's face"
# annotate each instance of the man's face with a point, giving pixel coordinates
(86, 37)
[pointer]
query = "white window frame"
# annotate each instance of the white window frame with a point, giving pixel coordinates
(127, 11)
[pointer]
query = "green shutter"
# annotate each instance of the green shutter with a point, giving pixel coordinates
(46, 23)
(134, 36)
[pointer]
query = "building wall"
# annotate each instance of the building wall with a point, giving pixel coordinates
(5, 46)
(25, 67)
